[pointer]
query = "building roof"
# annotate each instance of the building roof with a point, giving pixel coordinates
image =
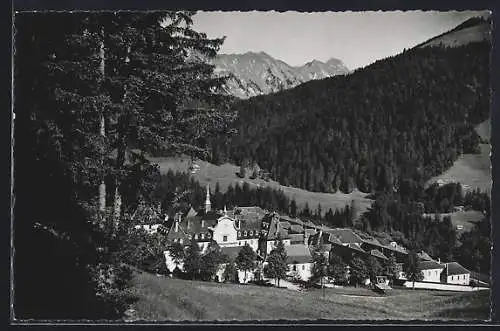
(355, 248)
(426, 265)
(454, 268)
(424, 256)
(296, 228)
(377, 253)
(332, 239)
(346, 236)
(372, 241)
(299, 253)
(296, 238)
(285, 224)
(275, 229)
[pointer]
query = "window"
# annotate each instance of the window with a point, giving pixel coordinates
(303, 267)
(239, 233)
(208, 235)
(180, 241)
(251, 233)
(451, 277)
(245, 233)
(202, 236)
(224, 238)
(195, 236)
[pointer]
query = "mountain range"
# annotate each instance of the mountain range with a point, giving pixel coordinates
(251, 74)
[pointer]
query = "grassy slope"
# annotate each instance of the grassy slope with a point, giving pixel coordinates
(465, 218)
(461, 37)
(472, 170)
(164, 299)
(225, 174)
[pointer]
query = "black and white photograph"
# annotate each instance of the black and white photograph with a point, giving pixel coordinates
(251, 166)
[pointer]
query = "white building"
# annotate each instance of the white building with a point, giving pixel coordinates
(299, 261)
(456, 274)
(431, 270)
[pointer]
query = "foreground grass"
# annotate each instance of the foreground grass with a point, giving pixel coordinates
(226, 174)
(164, 299)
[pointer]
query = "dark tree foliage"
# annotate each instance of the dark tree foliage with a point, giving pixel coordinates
(337, 269)
(475, 251)
(94, 93)
(277, 266)
(358, 271)
(412, 268)
(192, 261)
(246, 259)
(406, 116)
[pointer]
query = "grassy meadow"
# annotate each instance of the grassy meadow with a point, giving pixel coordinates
(226, 174)
(165, 299)
(472, 170)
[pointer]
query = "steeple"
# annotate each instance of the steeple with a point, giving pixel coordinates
(208, 204)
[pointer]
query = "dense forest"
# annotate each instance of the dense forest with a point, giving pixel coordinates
(407, 116)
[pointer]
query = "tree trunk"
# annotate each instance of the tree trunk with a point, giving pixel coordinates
(120, 158)
(102, 185)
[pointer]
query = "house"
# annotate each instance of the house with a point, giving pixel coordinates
(299, 261)
(431, 270)
(454, 273)
(272, 232)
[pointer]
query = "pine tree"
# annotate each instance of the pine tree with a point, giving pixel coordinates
(374, 268)
(105, 89)
(412, 268)
(192, 261)
(230, 272)
(390, 268)
(358, 271)
(246, 259)
(320, 268)
(277, 266)
(337, 268)
(177, 253)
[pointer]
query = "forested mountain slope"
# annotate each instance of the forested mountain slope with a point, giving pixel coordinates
(409, 116)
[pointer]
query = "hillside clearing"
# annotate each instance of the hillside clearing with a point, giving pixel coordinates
(467, 219)
(473, 171)
(165, 299)
(226, 174)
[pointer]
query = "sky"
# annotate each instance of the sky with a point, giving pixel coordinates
(356, 38)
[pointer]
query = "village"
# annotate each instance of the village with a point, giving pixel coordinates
(261, 231)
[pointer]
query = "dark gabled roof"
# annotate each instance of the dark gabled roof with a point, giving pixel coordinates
(356, 248)
(377, 253)
(285, 225)
(332, 239)
(454, 268)
(310, 232)
(298, 254)
(173, 235)
(273, 230)
(424, 256)
(346, 236)
(295, 228)
(426, 265)
(296, 238)
(372, 241)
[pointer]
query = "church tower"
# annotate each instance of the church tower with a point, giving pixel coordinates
(208, 205)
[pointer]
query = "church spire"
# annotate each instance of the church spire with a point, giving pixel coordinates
(208, 204)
